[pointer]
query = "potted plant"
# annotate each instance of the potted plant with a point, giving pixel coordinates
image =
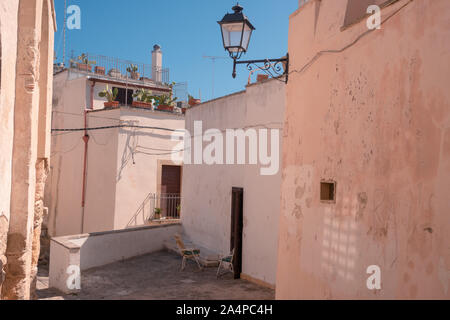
(115, 73)
(192, 101)
(84, 64)
(165, 102)
(111, 96)
(157, 212)
(143, 98)
(133, 70)
(100, 70)
(179, 210)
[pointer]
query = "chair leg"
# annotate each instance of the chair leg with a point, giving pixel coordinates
(218, 270)
(198, 263)
(183, 264)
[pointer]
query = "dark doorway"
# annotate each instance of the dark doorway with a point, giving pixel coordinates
(170, 191)
(124, 96)
(237, 225)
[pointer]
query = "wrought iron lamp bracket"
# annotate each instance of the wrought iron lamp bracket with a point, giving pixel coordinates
(275, 68)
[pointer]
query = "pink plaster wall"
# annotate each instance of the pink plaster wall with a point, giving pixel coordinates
(376, 119)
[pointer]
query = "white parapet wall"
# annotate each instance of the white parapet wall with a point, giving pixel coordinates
(71, 255)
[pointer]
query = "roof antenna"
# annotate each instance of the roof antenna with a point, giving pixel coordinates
(64, 32)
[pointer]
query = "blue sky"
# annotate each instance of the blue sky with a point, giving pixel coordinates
(186, 30)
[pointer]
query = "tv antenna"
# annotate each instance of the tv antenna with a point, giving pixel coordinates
(213, 59)
(64, 32)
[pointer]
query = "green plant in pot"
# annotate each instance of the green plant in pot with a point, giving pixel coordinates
(192, 101)
(84, 64)
(133, 70)
(157, 213)
(143, 98)
(110, 95)
(165, 102)
(179, 210)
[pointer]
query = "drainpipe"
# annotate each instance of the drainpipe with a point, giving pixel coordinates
(86, 146)
(92, 94)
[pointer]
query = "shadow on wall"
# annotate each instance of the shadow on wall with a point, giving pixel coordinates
(338, 247)
(132, 145)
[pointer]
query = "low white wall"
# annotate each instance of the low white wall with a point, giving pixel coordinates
(99, 249)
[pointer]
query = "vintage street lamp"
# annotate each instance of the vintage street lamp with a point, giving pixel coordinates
(236, 34)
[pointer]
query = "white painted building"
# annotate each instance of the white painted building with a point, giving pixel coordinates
(107, 181)
(206, 209)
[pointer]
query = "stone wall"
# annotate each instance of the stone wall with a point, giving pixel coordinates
(27, 28)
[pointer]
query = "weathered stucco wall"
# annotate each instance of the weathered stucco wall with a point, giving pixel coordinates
(206, 204)
(375, 118)
(65, 179)
(100, 178)
(140, 154)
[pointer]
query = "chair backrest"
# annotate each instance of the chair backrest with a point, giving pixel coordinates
(179, 242)
(232, 256)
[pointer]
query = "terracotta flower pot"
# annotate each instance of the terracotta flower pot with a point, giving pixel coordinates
(84, 67)
(115, 73)
(183, 110)
(193, 102)
(262, 77)
(100, 70)
(164, 107)
(112, 104)
(140, 104)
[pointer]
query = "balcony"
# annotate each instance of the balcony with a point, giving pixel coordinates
(117, 69)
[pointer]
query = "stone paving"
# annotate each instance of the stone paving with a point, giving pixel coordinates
(156, 277)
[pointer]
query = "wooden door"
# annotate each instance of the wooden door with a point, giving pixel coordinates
(170, 189)
(237, 224)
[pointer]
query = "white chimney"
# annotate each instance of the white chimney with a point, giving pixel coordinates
(157, 63)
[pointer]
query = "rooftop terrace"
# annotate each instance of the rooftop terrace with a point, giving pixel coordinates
(117, 69)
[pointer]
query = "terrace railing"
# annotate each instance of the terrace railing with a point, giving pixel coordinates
(119, 69)
(168, 203)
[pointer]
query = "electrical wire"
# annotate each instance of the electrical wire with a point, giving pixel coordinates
(82, 115)
(116, 126)
(67, 151)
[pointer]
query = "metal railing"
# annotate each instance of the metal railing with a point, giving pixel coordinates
(118, 69)
(168, 203)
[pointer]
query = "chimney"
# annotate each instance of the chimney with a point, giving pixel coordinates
(157, 63)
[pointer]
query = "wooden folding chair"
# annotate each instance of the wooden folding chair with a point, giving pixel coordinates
(187, 253)
(226, 262)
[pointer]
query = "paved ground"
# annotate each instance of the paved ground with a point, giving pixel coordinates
(156, 277)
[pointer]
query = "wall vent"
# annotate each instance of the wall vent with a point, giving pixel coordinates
(328, 191)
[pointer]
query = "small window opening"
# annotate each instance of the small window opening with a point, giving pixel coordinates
(328, 191)
(124, 96)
